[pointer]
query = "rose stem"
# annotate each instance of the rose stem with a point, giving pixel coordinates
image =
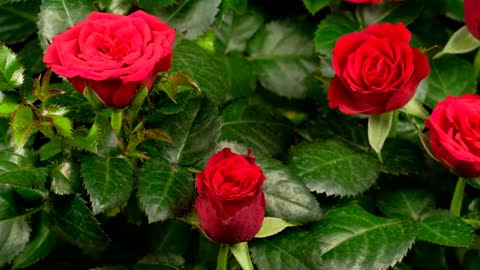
(223, 257)
(457, 198)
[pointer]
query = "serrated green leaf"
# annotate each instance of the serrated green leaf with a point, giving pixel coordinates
(272, 226)
(450, 75)
(192, 17)
(41, 244)
(286, 197)
(405, 12)
(57, 15)
(241, 253)
(105, 135)
(334, 168)
(313, 6)
(7, 108)
(405, 202)
(109, 182)
(462, 41)
(402, 157)
(235, 30)
(261, 130)
(7, 204)
(11, 71)
(194, 132)
(443, 228)
(22, 126)
(351, 238)
(13, 174)
(63, 125)
(207, 71)
(18, 20)
(164, 190)
(292, 249)
(378, 129)
(85, 139)
(49, 150)
(77, 104)
(283, 55)
(14, 236)
(74, 222)
(65, 177)
(331, 29)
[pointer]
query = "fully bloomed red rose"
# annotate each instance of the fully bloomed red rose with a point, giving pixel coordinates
(114, 55)
(472, 16)
(455, 134)
(376, 70)
(230, 202)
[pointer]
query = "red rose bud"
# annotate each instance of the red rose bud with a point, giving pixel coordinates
(230, 202)
(114, 55)
(472, 16)
(455, 134)
(376, 70)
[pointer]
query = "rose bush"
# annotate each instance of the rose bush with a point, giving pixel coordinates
(455, 135)
(230, 202)
(114, 55)
(376, 70)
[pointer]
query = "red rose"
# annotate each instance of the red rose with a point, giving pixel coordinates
(472, 16)
(455, 134)
(114, 55)
(376, 70)
(230, 202)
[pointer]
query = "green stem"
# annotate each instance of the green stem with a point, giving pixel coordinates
(393, 129)
(223, 257)
(470, 221)
(116, 121)
(456, 205)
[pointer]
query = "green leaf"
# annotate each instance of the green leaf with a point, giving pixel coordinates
(41, 244)
(272, 226)
(63, 125)
(238, 6)
(14, 236)
(378, 129)
(22, 126)
(261, 130)
(405, 202)
(74, 222)
(235, 30)
(164, 190)
(286, 197)
(7, 108)
(194, 132)
(462, 41)
(13, 174)
(18, 20)
(207, 71)
(314, 6)
(351, 238)
(109, 182)
(291, 249)
(65, 177)
(241, 77)
(77, 104)
(104, 134)
(283, 55)
(117, 6)
(7, 204)
(402, 157)
(450, 75)
(192, 17)
(405, 12)
(84, 139)
(57, 15)
(49, 150)
(146, 4)
(11, 70)
(241, 253)
(455, 10)
(415, 108)
(443, 228)
(334, 168)
(331, 29)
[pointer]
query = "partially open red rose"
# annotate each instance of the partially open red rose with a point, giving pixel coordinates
(376, 70)
(114, 55)
(455, 134)
(230, 202)
(472, 16)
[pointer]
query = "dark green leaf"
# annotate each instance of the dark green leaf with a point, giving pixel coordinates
(166, 261)
(49, 150)
(65, 177)
(259, 129)
(7, 204)
(405, 12)
(285, 196)
(73, 221)
(77, 104)
(13, 174)
(14, 236)
(238, 6)
(57, 15)
(241, 76)
(11, 71)
(455, 10)
(405, 202)
(18, 20)
(109, 182)
(314, 6)
(291, 249)
(284, 56)
(22, 126)
(331, 29)
(443, 228)
(334, 168)
(402, 157)
(192, 17)
(85, 140)
(207, 71)
(351, 238)
(147, 4)
(104, 133)
(450, 75)
(164, 190)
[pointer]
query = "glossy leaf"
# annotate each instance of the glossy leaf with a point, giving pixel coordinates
(393, 12)
(13, 174)
(443, 228)
(22, 126)
(14, 236)
(402, 157)
(313, 6)
(332, 28)
(18, 21)
(11, 70)
(405, 202)
(65, 177)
